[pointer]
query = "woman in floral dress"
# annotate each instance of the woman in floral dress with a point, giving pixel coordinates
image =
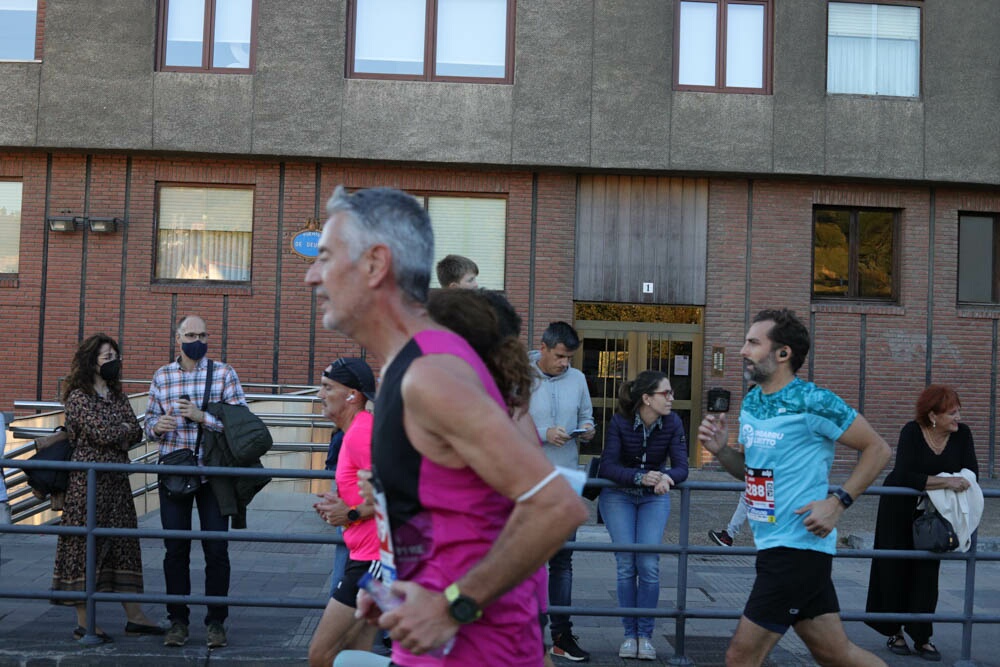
(102, 425)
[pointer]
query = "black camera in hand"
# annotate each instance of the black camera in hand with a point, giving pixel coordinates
(718, 399)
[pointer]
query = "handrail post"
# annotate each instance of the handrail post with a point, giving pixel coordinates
(679, 658)
(91, 571)
(965, 659)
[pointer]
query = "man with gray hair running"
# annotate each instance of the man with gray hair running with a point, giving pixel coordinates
(468, 506)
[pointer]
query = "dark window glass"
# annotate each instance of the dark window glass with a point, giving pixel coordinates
(854, 253)
(978, 258)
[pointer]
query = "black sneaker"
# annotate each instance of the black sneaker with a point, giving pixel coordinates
(565, 646)
(720, 537)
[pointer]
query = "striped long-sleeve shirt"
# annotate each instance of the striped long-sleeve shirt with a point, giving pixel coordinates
(171, 382)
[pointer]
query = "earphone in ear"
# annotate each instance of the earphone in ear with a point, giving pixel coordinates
(350, 398)
(783, 354)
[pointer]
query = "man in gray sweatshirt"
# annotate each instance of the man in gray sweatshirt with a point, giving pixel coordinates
(564, 415)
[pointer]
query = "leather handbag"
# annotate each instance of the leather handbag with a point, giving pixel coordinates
(178, 486)
(933, 532)
(55, 447)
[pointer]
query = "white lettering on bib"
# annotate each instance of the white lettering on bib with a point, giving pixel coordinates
(760, 494)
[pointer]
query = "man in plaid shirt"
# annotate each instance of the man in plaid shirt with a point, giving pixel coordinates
(173, 419)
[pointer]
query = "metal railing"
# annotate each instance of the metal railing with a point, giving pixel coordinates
(25, 505)
(680, 611)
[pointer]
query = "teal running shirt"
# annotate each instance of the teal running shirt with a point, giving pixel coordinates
(788, 439)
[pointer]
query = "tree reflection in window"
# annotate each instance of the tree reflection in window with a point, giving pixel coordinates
(854, 253)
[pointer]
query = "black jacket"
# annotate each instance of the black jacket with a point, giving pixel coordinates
(243, 440)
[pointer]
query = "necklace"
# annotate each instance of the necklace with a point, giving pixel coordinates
(937, 445)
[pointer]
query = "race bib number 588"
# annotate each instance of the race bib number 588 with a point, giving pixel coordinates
(760, 494)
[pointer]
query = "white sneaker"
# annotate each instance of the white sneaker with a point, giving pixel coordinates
(629, 648)
(646, 650)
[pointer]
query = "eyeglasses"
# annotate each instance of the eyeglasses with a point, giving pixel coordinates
(191, 335)
(667, 393)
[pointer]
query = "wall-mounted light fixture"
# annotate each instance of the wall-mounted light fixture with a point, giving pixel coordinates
(65, 223)
(105, 225)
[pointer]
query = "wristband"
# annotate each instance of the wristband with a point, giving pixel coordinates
(844, 497)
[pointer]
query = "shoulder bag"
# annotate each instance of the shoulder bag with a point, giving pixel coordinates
(179, 485)
(933, 532)
(55, 447)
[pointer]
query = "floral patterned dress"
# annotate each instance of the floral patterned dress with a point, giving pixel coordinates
(101, 428)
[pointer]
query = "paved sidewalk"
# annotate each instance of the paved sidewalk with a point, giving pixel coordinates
(33, 632)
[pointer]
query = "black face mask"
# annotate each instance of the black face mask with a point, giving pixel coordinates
(111, 370)
(195, 350)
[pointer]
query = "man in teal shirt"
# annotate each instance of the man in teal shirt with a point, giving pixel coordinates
(788, 429)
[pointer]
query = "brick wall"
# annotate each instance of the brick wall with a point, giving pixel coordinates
(242, 320)
(875, 357)
(889, 342)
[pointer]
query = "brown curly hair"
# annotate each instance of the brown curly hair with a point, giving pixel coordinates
(81, 373)
(489, 324)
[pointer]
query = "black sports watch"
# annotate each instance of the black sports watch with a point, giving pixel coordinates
(844, 497)
(353, 515)
(462, 608)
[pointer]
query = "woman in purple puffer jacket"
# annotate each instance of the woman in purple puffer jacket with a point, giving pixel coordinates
(645, 453)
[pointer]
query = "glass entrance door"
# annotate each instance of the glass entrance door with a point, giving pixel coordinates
(613, 352)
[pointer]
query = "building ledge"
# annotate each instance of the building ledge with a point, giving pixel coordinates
(201, 288)
(858, 308)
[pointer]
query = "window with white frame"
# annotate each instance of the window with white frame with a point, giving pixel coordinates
(873, 49)
(431, 39)
(18, 24)
(10, 226)
(723, 46)
(474, 227)
(204, 233)
(979, 258)
(207, 35)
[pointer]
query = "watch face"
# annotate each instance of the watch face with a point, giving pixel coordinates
(464, 609)
(353, 515)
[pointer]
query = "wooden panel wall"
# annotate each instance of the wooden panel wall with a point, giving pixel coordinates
(632, 230)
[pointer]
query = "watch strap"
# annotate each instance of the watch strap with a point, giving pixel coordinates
(844, 497)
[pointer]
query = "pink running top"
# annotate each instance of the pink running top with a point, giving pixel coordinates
(444, 520)
(356, 454)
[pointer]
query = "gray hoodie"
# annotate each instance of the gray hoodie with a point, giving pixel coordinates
(560, 400)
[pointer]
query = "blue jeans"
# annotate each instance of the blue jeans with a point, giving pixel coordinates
(639, 519)
(561, 588)
(176, 515)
